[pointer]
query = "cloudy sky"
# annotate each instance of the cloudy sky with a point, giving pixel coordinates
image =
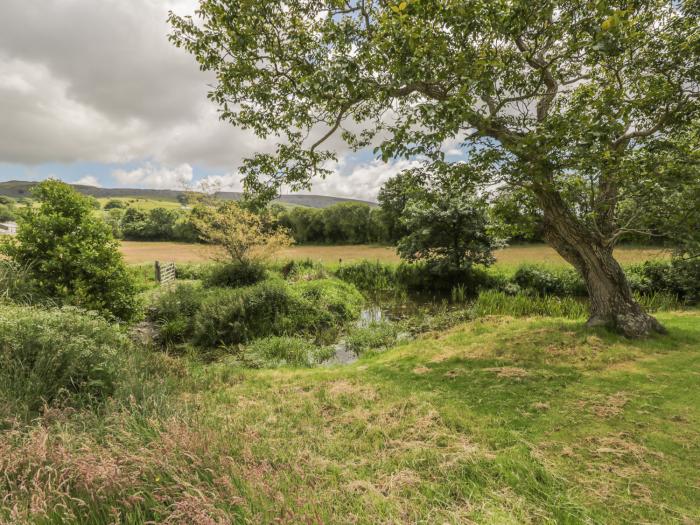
(91, 91)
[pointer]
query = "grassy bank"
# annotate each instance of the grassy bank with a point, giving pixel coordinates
(495, 421)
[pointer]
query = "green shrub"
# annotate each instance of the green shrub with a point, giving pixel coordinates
(493, 302)
(191, 272)
(238, 315)
(235, 274)
(545, 281)
(174, 310)
(441, 279)
(375, 336)
(303, 270)
(369, 276)
(271, 352)
(17, 285)
(679, 277)
(56, 355)
(71, 254)
(334, 302)
(274, 307)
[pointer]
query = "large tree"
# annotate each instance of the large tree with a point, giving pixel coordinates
(574, 101)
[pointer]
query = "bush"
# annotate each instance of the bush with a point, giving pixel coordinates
(441, 279)
(271, 352)
(334, 302)
(306, 270)
(375, 336)
(194, 272)
(369, 276)
(274, 307)
(174, 311)
(494, 302)
(56, 356)
(235, 274)
(679, 277)
(72, 255)
(545, 281)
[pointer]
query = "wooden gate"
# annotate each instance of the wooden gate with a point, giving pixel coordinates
(165, 272)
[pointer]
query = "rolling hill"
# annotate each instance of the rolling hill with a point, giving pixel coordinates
(18, 189)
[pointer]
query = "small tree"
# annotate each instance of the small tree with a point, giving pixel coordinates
(447, 228)
(70, 253)
(239, 233)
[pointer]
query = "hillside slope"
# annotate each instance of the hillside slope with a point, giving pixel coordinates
(19, 189)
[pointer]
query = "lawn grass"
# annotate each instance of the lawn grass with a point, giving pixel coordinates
(507, 258)
(499, 420)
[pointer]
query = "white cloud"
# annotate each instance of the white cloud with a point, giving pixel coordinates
(159, 177)
(89, 180)
(361, 181)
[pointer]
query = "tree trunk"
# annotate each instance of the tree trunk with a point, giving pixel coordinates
(611, 301)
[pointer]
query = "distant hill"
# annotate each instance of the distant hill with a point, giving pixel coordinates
(18, 189)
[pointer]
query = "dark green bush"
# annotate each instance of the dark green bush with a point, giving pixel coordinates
(52, 356)
(193, 272)
(174, 309)
(238, 315)
(545, 281)
(271, 352)
(274, 307)
(235, 274)
(440, 279)
(679, 277)
(333, 302)
(369, 276)
(305, 269)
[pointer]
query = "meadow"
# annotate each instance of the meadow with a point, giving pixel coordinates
(142, 252)
(499, 420)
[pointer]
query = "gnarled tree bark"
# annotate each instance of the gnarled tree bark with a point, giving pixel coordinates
(611, 301)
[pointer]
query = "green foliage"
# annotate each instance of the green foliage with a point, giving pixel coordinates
(174, 310)
(235, 274)
(114, 204)
(679, 277)
(276, 351)
(493, 302)
(158, 224)
(441, 279)
(305, 269)
(334, 302)
(72, 255)
(274, 307)
(546, 281)
(49, 356)
(374, 337)
(342, 223)
(191, 271)
(17, 284)
(369, 276)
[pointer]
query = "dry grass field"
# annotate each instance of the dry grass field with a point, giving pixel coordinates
(142, 252)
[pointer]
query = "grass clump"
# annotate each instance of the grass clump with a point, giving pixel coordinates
(276, 351)
(376, 336)
(274, 307)
(173, 311)
(493, 302)
(49, 356)
(235, 274)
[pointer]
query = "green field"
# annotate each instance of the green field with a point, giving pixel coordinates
(495, 421)
(142, 252)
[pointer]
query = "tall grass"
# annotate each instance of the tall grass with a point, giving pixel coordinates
(493, 302)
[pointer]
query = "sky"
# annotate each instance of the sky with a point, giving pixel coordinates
(92, 92)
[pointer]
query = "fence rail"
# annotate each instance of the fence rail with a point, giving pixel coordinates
(165, 272)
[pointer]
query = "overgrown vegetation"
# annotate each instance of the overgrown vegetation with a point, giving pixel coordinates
(70, 256)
